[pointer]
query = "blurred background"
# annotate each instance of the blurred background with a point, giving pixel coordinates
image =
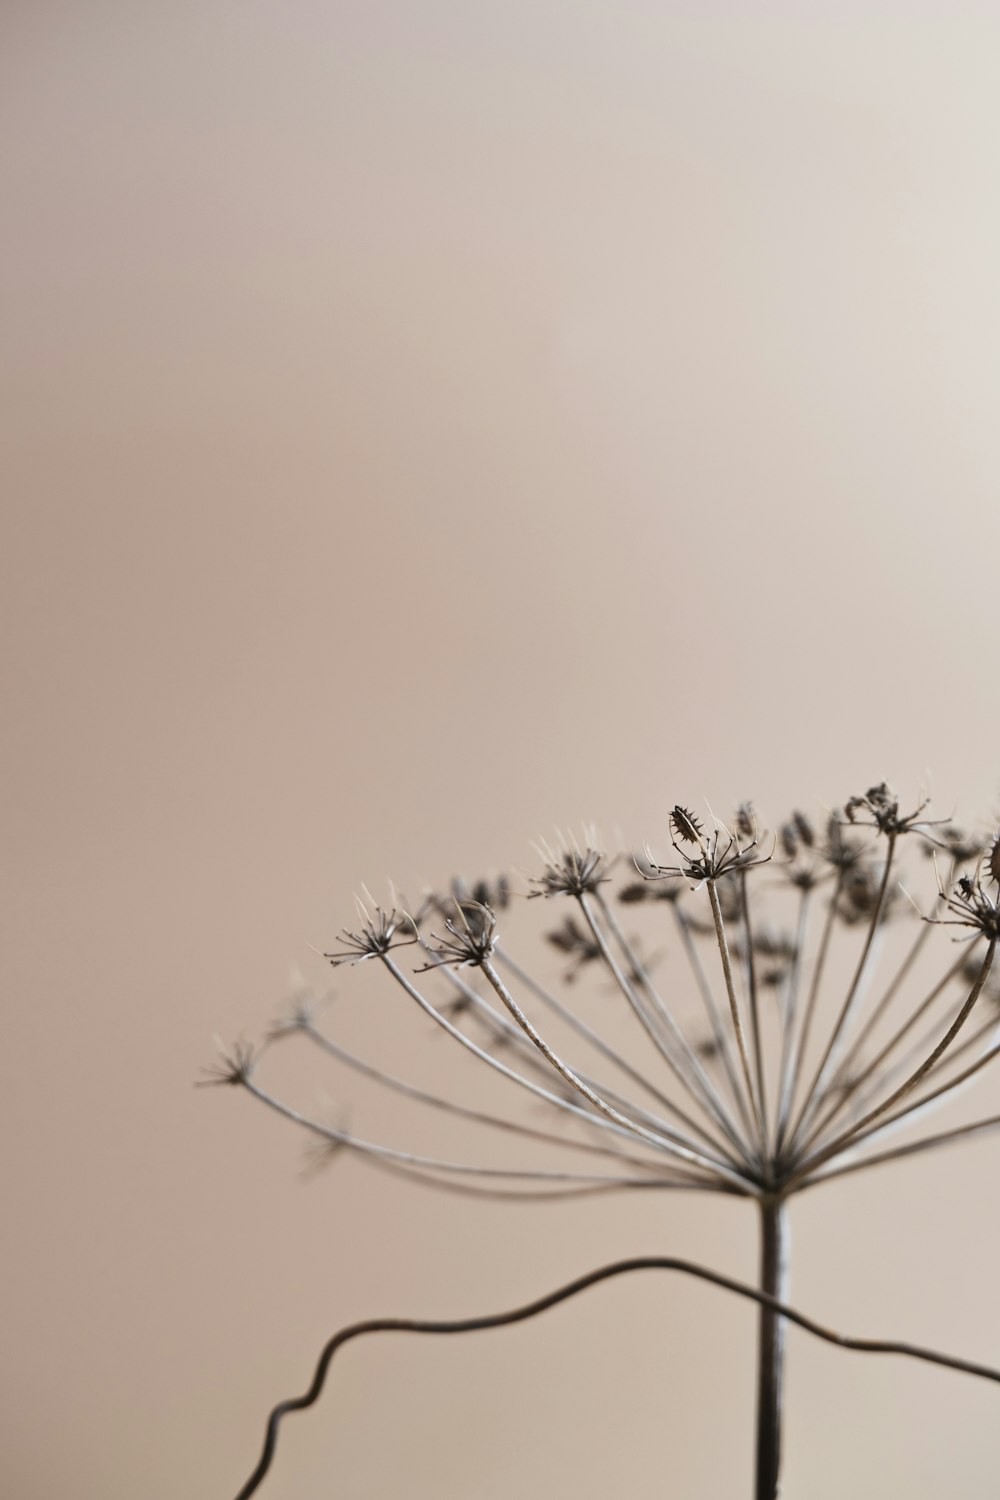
(427, 426)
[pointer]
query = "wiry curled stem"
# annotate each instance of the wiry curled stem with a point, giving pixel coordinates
(563, 1294)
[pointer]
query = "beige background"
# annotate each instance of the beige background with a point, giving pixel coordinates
(428, 425)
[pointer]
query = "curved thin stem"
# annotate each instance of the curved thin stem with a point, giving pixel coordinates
(707, 1093)
(719, 1033)
(611, 1114)
(862, 1128)
(802, 1039)
(562, 1294)
(752, 995)
(529, 1055)
(582, 1029)
(912, 1148)
(852, 1085)
(665, 1143)
(734, 1008)
(787, 1063)
(431, 1163)
(687, 1075)
(815, 1094)
(463, 1111)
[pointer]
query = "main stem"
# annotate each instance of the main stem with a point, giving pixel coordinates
(771, 1345)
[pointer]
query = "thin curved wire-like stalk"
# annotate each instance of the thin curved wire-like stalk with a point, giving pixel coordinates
(691, 1082)
(754, 1003)
(509, 1034)
(815, 1095)
(476, 1190)
(787, 1060)
(449, 1106)
(629, 1132)
(866, 1096)
(861, 1128)
(929, 1101)
(719, 1033)
(575, 1081)
(562, 1294)
(892, 989)
(801, 1041)
(912, 1148)
(529, 1054)
(871, 1069)
(432, 1163)
(734, 1008)
(581, 1027)
(707, 1093)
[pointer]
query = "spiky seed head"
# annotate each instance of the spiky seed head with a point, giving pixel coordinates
(686, 826)
(993, 862)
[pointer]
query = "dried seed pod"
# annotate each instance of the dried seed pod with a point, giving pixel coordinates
(686, 826)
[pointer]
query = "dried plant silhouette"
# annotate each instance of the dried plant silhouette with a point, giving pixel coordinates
(805, 1035)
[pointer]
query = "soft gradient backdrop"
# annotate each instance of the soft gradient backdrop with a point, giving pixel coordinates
(426, 425)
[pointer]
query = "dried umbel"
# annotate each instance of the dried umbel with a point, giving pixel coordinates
(750, 1071)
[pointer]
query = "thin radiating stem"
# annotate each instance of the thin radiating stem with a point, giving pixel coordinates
(581, 1028)
(734, 1008)
(815, 1094)
(915, 1078)
(912, 1148)
(865, 1031)
(871, 1069)
(529, 1054)
(802, 1041)
(457, 1187)
(621, 1127)
(463, 1111)
(688, 1082)
(758, 1055)
(575, 1081)
(719, 1033)
(914, 1054)
(414, 1159)
(709, 1096)
(786, 1069)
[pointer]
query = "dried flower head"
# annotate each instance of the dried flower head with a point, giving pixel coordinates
(706, 857)
(471, 937)
(572, 872)
(379, 932)
(754, 1074)
(235, 1065)
(970, 902)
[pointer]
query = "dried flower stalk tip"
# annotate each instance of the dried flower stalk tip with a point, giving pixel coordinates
(376, 936)
(574, 872)
(471, 937)
(235, 1066)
